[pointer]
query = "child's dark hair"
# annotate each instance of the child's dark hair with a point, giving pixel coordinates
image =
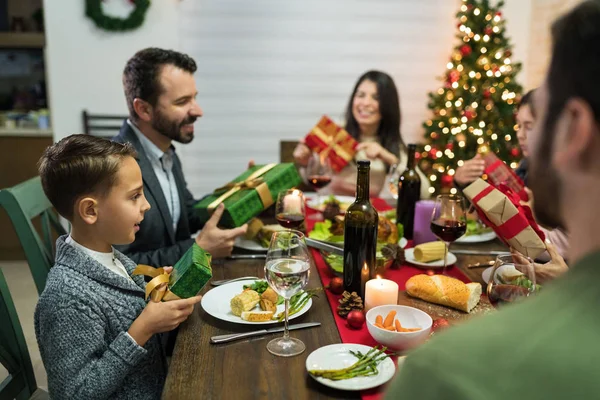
(80, 165)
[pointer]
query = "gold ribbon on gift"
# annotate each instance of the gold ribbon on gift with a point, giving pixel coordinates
(254, 181)
(333, 143)
(157, 289)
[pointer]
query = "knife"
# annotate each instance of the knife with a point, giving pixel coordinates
(246, 256)
(317, 244)
(479, 252)
(236, 336)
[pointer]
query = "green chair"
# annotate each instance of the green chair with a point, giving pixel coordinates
(24, 202)
(14, 355)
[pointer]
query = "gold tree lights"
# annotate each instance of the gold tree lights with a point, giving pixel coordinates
(476, 104)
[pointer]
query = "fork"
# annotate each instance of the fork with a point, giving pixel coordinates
(224, 281)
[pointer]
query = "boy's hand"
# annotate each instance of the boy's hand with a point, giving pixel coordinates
(160, 317)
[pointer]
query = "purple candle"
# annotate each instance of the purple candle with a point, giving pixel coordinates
(422, 230)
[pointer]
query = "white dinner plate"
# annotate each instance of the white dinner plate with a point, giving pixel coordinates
(345, 202)
(248, 244)
(409, 254)
(338, 356)
(484, 237)
(402, 242)
(506, 268)
(216, 303)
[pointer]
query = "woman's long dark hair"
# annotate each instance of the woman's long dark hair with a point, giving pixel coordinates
(389, 108)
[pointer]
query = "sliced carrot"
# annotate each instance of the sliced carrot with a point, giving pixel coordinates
(390, 328)
(413, 329)
(389, 319)
(377, 324)
(398, 326)
(379, 319)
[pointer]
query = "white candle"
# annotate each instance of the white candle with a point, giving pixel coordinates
(380, 292)
(293, 202)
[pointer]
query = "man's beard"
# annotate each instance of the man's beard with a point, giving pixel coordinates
(545, 185)
(172, 129)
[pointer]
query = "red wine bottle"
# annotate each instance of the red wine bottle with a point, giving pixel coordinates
(409, 192)
(448, 230)
(360, 235)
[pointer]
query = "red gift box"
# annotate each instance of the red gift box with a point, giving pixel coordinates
(332, 142)
(501, 209)
(501, 174)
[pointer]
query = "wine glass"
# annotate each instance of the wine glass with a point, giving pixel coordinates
(392, 180)
(318, 172)
(289, 210)
(448, 220)
(512, 278)
(287, 270)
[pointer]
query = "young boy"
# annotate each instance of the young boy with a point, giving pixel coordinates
(95, 331)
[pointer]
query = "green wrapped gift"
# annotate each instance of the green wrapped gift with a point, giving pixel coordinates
(190, 273)
(250, 193)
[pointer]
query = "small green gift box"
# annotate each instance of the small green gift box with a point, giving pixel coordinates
(190, 273)
(250, 193)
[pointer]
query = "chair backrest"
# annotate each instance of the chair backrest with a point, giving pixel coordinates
(102, 125)
(22, 203)
(14, 355)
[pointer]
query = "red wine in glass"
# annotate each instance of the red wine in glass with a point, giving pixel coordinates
(448, 230)
(319, 181)
(500, 295)
(290, 221)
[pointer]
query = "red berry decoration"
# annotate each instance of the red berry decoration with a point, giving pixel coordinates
(447, 180)
(515, 152)
(469, 114)
(440, 324)
(465, 50)
(356, 319)
(336, 285)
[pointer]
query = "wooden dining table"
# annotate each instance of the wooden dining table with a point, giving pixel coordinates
(244, 369)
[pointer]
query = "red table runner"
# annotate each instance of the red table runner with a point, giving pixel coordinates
(400, 276)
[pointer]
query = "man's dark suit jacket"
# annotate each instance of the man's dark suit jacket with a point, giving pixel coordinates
(156, 243)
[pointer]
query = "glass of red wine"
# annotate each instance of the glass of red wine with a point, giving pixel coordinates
(448, 220)
(289, 210)
(318, 172)
(512, 279)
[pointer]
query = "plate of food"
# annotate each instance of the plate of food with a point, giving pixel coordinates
(504, 273)
(477, 232)
(257, 236)
(253, 302)
(337, 203)
(332, 366)
(429, 255)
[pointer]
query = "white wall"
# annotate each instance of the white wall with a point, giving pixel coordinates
(84, 63)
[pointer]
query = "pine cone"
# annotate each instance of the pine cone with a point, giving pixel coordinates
(395, 253)
(349, 302)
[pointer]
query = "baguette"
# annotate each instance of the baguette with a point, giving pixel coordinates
(444, 290)
(257, 316)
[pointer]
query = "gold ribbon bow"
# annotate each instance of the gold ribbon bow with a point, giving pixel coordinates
(157, 289)
(333, 143)
(254, 181)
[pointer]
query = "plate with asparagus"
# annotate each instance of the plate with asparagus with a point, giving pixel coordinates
(348, 366)
(252, 302)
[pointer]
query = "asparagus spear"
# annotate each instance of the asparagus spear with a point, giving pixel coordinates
(365, 366)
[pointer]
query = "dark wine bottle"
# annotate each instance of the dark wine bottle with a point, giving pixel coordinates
(360, 235)
(409, 192)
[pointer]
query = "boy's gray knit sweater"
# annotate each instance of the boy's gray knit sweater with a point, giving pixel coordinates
(81, 322)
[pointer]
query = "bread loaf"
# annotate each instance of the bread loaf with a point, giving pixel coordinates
(444, 290)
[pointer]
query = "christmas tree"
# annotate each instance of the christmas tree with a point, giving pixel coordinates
(477, 102)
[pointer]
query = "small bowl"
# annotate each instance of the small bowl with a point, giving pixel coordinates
(409, 317)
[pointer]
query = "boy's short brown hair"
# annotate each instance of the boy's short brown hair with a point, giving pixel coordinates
(80, 165)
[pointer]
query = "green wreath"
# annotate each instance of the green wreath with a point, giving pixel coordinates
(93, 10)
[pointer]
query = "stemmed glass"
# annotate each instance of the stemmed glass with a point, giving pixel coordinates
(448, 220)
(392, 180)
(512, 278)
(289, 209)
(287, 270)
(318, 172)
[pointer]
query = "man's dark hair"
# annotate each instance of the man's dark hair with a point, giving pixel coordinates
(575, 63)
(80, 165)
(142, 72)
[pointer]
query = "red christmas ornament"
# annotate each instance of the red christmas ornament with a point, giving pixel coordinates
(459, 24)
(499, 13)
(417, 155)
(487, 94)
(356, 319)
(488, 30)
(515, 152)
(336, 286)
(448, 85)
(439, 324)
(430, 272)
(495, 69)
(450, 146)
(454, 76)
(433, 153)
(447, 180)
(508, 53)
(469, 114)
(465, 50)
(469, 6)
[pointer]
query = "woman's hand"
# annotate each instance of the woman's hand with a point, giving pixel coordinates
(374, 151)
(302, 154)
(548, 271)
(470, 171)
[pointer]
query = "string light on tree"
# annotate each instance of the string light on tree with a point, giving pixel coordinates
(475, 104)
